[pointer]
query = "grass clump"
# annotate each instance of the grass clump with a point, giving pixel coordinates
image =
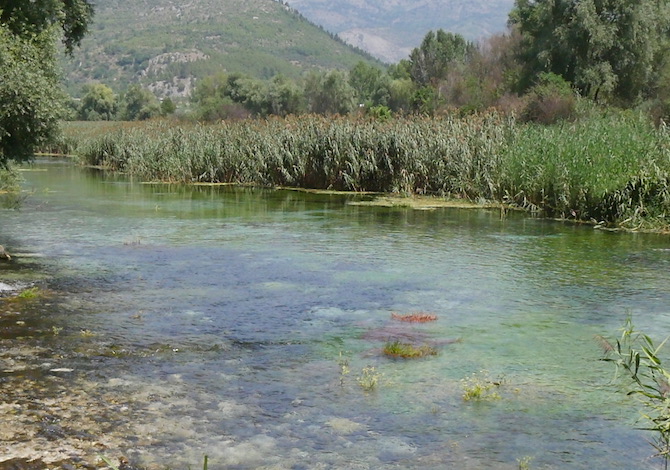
(480, 387)
(407, 350)
(30, 293)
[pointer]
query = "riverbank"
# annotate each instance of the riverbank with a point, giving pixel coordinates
(610, 169)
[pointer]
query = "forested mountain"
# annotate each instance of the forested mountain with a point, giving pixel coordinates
(165, 44)
(389, 29)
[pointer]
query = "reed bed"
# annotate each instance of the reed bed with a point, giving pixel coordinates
(610, 168)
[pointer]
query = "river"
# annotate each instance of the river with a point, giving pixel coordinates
(248, 324)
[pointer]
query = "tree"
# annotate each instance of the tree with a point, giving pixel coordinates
(285, 97)
(603, 47)
(140, 104)
(212, 100)
(30, 95)
(168, 107)
(439, 51)
(98, 104)
(371, 84)
(329, 93)
(26, 18)
(31, 100)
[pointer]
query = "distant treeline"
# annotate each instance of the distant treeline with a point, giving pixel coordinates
(612, 52)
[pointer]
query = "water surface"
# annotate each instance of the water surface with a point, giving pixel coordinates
(183, 321)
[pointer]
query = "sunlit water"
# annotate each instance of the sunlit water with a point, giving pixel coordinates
(239, 323)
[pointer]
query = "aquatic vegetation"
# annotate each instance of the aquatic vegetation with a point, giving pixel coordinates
(479, 386)
(407, 350)
(636, 356)
(417, 317)
(524, 462)
(29, 293)
(369, 378)
(343, 362)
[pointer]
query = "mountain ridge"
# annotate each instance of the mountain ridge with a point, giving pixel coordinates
(389, 30)
(166, 45)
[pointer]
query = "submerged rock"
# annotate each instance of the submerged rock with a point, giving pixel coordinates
(23, 464)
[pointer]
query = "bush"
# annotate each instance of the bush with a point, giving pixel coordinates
(550, 100)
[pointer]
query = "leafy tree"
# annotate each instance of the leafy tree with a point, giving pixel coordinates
(439, 51)
(31, 101)
(26, 18)
(140, 104)
(285, 97)
(488, 79)
(30, 95)
(212, 100)
(329, 93)
(168, 107)
(401, 95)
(98, 104)
(371, 84)
(603, 47)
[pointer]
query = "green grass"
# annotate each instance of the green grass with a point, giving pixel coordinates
(611, 169)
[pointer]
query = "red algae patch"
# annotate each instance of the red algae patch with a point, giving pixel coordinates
(417, 317)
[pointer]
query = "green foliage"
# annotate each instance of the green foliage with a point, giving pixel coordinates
(31, 102)
(30, 97)
(140, 104)
(371, 84)
(407, 350)
(225, 96)
(168, 107)
(27, 19)
(637, 357)
(439, 52)
(329, 93)
(604, 48)
(380, 113)
(609, 168)
(550, 100)
(98, 104)
(9, 180)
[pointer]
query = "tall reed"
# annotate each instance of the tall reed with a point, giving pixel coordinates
(612, 167)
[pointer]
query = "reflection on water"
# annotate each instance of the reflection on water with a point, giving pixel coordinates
(182, 321)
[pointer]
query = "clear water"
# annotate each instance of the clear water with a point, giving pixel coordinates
(184, 321)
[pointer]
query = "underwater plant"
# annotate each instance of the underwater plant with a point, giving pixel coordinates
(479, 386)
(407, 350)
(369, 378)
(417, 317)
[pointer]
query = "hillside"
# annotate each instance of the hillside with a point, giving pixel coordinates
(166, 44)
(390, 29)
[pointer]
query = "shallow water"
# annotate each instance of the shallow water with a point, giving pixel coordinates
(182, 321)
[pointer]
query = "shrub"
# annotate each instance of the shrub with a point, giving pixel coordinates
(550, 100)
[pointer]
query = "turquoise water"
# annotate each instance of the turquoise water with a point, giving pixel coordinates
(240, 323)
